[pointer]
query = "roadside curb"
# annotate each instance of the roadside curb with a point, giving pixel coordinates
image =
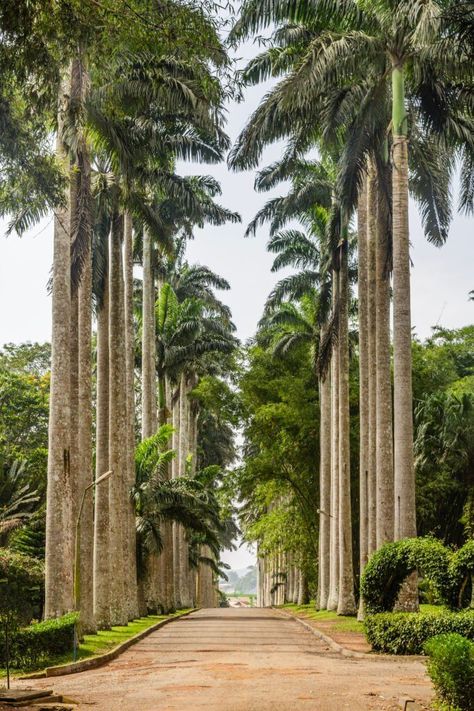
(101, 659)
(351, 653)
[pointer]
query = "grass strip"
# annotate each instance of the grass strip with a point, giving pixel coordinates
(93, 645)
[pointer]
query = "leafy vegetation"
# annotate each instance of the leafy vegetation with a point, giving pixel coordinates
(451, 668)
(349, 422)
(406, 632)
(33, 646)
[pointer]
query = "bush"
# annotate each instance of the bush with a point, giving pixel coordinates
(461, 572)
(407, 632)
(392, 564)
(21, 587)
(451, 668)
(41, 642)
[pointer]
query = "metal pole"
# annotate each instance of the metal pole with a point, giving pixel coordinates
(77, 557)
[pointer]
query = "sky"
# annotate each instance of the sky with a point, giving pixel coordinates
(441, 277)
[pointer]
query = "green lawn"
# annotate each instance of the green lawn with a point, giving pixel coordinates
(102, 642)
(341, 623)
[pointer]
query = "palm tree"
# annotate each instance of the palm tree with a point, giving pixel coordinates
(187, 333)
(407, 43)
(336, 58)
(310, 200)
(130, 406)
(139, 86)
(59, 523)
(158, 500)
(18, 501)
(362, 281)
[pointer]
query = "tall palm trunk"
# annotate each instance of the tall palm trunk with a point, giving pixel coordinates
(363, 380)
(149, 400)
(372, 363)
(384, 436)
(324, 489)
(85, 477)
(149, 411)
(74, 402)
(117, 429)
(58, 581)
(166, 558)
(131, 538)
(405, 519)
(346, 601)
(101, 518)
(333, 596)
(185, 587)
(404, 484)
(174, 475)
(81, 353)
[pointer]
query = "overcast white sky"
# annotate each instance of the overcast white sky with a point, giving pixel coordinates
(441, 278)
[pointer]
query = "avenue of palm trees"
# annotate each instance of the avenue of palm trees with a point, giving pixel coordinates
(372, 101)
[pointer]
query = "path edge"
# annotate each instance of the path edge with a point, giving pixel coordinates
(351, 653)
(102, 659)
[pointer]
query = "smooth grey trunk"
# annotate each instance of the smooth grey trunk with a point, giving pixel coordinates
(131, 535)
(384, 430)
(259, 580)
(346, 601)
(186, 587)
(84, 439)
(167, 562)
(405, 516)
(206, 594)
(149, 400)
(101, 518)
(74, 405)
(81, 354)
(174, 475)
(372, 363)
(149, 404)
(404, 484)
(324, 490)
(59, 558)
(363, 380)
(303, 590)
(117, 429)
(333, 595)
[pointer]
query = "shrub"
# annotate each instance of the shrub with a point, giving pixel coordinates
(392, 563)
(451, 668)
(21, 586)
(407, 632)
(461, 572)
(41, 642)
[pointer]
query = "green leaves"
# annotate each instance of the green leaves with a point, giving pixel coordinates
(408, 633)
(389, 566)
(451, 668)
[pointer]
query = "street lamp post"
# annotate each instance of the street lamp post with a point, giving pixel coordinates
(77, 553)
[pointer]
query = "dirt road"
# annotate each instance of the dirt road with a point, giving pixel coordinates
(242, 660)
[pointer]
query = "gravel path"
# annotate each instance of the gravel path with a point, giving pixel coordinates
(242, 660)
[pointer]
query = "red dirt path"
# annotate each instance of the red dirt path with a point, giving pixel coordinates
(242, 660)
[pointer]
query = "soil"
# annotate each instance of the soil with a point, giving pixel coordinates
(244, 659)
(354, 641)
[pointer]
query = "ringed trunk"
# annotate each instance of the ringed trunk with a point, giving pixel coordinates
(346, 601)
(363, 380)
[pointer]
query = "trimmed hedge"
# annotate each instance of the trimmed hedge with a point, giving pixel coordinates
(392, 564)
(407, 632)
(41, 642)
(449, 573)
(461, 571)
(451, 668)
(21, 586)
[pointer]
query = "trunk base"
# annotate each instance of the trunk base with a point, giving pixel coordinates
(407, 600)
